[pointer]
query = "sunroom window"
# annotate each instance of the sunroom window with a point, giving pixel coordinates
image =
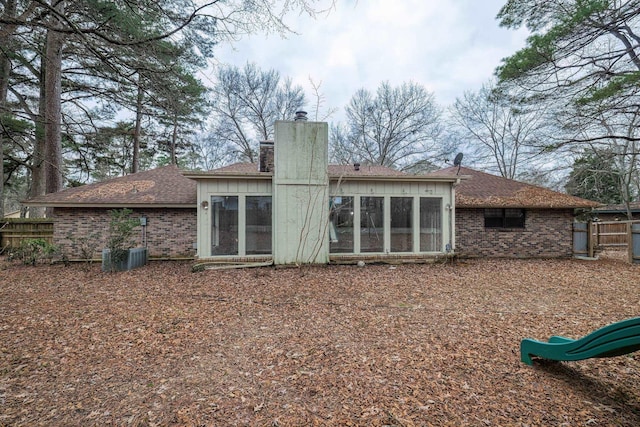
(372, 224)
(224, 225)
(341, 224)
(258, 225)
(430, 224)
(401, 224)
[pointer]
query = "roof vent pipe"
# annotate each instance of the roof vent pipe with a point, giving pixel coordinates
(356, 166)
(301, 116)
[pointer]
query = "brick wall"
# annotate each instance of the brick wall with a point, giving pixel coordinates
(169, 232)
(547, 234)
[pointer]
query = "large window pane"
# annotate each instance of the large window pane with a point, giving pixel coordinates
(372, 224)
(494, 218)
(402, 224)
(514, 218)
(341, 225)
(430, 224)
(258, 234)
(224, 225)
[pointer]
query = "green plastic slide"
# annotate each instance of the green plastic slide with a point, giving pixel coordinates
(615, 339)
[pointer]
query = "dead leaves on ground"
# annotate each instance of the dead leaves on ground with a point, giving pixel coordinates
(407, 345)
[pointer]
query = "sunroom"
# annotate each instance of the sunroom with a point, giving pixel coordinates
(294, 208)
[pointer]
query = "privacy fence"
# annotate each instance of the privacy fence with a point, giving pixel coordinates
(601, 235)
(14, 231)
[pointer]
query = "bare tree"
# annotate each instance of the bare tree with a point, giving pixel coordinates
(246, 104)
(499, 134)
(397, 127)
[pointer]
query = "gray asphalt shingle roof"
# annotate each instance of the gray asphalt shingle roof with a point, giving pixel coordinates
(164, 186)
(483, 190)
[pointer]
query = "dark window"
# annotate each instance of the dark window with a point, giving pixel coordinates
(504, 218)
(341, 231)
(371, 224)
(224, 225)
(402, 224)
(258, 226)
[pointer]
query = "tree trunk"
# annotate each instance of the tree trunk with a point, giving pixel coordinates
(53, 107)
(38, 180)
(174, 138)
(6, 33)
(5, 66)
(135, 163)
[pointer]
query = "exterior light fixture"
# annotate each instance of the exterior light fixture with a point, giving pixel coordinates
(204, 205)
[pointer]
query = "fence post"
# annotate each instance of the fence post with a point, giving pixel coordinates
(592, 231)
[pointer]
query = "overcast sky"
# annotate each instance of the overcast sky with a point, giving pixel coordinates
(448, 46)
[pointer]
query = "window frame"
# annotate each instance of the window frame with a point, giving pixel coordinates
(499, 218)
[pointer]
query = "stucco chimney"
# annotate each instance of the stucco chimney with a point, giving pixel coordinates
(266, 156)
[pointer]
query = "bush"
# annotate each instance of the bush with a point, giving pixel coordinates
(87, 245)
(120, 239)
(33, 251)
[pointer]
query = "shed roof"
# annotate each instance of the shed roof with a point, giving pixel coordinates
(164, 186)
(634, 207)
(484, 190)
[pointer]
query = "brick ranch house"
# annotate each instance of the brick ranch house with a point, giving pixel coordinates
(248, 212)
(163, 196)
(499, 217)
(294, 208)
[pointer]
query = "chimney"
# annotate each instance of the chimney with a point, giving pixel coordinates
(301, 116)
(266, 156)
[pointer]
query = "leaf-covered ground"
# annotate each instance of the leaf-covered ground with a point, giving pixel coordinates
(338, 345)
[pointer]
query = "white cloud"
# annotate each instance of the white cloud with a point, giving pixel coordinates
(447, 46)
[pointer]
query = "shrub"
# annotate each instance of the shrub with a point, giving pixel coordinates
(32, 251)
(120, 239)
(87, 245)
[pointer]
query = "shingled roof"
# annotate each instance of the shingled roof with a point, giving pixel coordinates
(164, 186)
(634, 207)
(335, 171)
(483, 190)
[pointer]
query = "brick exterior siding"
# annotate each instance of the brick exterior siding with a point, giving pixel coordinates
(547, 234)
(170, 233)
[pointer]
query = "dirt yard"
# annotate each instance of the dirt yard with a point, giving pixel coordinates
(407, 345)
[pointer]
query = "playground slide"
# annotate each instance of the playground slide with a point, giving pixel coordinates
(612, 340)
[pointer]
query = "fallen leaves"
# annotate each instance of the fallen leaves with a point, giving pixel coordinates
(335, 345)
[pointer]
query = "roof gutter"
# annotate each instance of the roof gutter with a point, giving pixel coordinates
(109, 205)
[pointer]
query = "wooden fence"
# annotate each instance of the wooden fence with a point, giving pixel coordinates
(611, 234)
(14, 231)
